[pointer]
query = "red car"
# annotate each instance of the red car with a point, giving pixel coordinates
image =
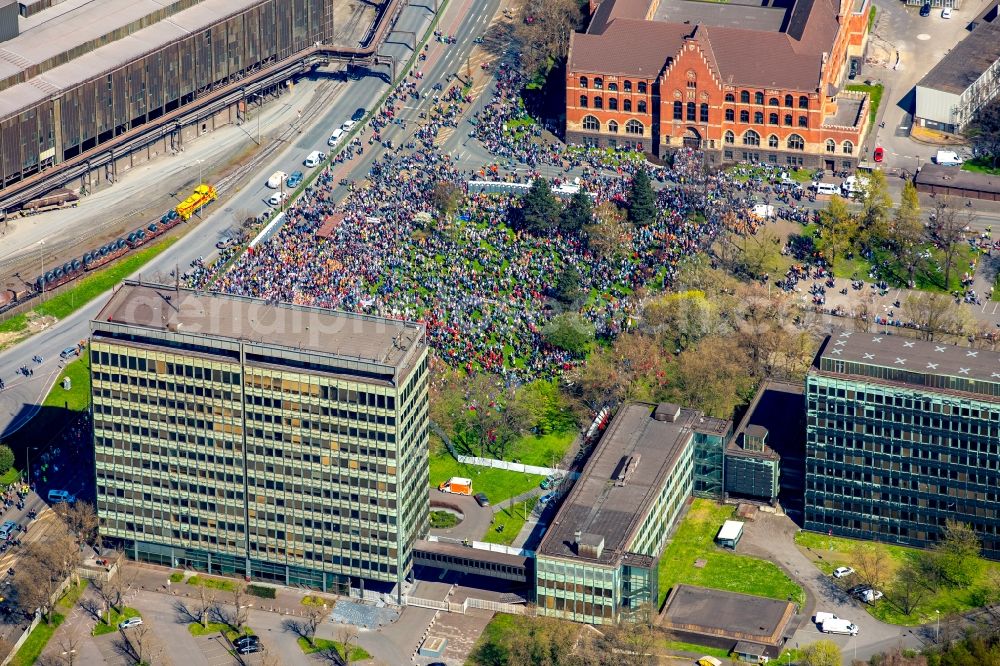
(879, 153)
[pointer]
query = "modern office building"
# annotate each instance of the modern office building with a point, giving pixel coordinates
(278, 442)
(597, 563)
(710, 438)
(742, 80)
(902, 435)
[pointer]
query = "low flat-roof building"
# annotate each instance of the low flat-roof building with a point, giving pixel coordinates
(967, 78)
(723, 619)
(598, 560)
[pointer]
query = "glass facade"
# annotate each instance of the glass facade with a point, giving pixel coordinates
(893, 463)
(224, 464)
(709, 453)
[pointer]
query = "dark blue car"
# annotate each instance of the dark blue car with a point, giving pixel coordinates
(294, 180)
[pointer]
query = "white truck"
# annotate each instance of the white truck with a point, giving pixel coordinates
(837, 626)
(948, 158)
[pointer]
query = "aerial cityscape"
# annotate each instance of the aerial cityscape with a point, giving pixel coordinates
(494, 333)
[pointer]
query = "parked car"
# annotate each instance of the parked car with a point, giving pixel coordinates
(335, 137)
(348, 124)
(67, 353)
(841, 572)
(294, 180)
(482, 499)
(865, 593)
(277, 198)
(252, 648)
(926, 9)
(879, 154)
(358, 114)
(822, 616)
(548, 497)
(57, 496)
(838, 626)
(314, 158)
(243, 641)
(128, 623)
(946, 13)
(546, 483)
(274, 181)
(8, 528)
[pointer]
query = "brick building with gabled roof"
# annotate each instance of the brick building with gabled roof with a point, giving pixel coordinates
(743, 81)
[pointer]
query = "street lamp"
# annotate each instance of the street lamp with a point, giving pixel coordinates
(69, 654)
(937, 626)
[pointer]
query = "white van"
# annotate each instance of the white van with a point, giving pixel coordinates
(314, 158)
(277, 198)
(57, 496)
(335, 137)
(822, 616)
(948, 158)
(276, 179)
(838, 626)
(850, 186)
(827, 188)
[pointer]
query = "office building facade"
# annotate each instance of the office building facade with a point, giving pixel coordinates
(902, 435)
(276, 442)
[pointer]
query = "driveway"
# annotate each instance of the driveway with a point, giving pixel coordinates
(771, 537)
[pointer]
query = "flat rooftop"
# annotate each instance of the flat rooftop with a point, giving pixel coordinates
(736, 14)
(965, 63)
(935, 175)
(166, 309)
(597, 505)
(901, 360)
(779, 407)
(700, 610)
(848, 112)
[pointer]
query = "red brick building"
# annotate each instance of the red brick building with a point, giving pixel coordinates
(744, 81)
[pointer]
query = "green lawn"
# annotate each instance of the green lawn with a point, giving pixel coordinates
(214, 583)
(15, 324)
(539, 450)
(358, 653)
(442, 520)
(827, 553)
(9, 477)
(498, 484)
(981, 165)
(315, 600)
(871, 19)
(77, 398)
(176, 577)
(512, 519)
(874, 92)
(110, 620)
(37, 640)
(996, 287)
(72, 595)
(723, 570)
(700, 650)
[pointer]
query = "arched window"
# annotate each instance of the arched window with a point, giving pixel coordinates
(591, 123)
(803, 121)
(583, 81)
(758, 98)
(583, 101)
(788, 100)
(704, 113)
(745, 96)
(831, 146)
(758, 117)
(803, 102)
(642, 87)
(848, 148)
(730, 115)
(773, 101)
(642, 106)
(691, 110)
(772, 141)
(729, 137)
(598, 83)
(613, 103)
(626, 105)
(751, 138)
(772, 119)
(678, 111)
(744, 116)
(730, 97)
(633, 127)
(598, 102)
(795, 142)
(613, 87)
(788, 120)
(627, 86)
(613, 127)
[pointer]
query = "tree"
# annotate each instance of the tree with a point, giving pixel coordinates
(314, 617)
(611, 235)
(570, 332)
(909, 588)
(984, 133)
(240, 601)
(949, 234)
(641, 199)
(875, 206)
(206, 599)
(80, 519)
(543, 31)
(837, 229)
(34, 587)
(821, 653)
(539, 210)
(6, 458)
(684, 317)
(872, 562)
(447, 197)
(491, 417)
(956, 556)
(758, 252)
(567, 286)
(906, 231)
(935, 315)
(713, 376)
(579, 212)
